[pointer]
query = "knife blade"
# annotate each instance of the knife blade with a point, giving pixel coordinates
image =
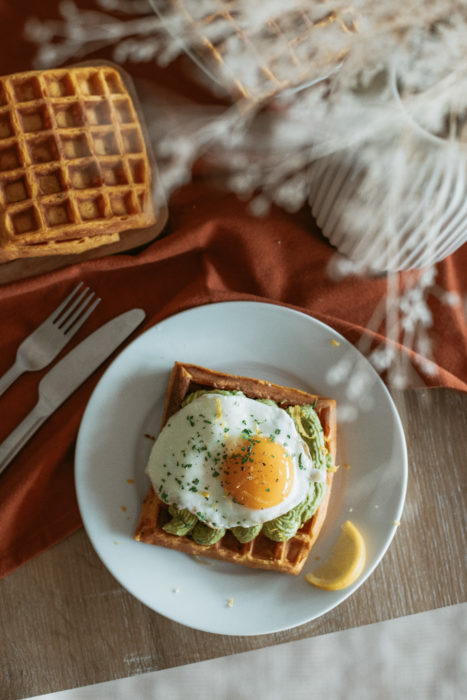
(67, 375)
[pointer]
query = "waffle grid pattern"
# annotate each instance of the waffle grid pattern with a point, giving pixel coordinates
(73, 164)
(288, 50)
(261, 553)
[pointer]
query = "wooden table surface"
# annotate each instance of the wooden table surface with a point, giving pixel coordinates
(65, 621)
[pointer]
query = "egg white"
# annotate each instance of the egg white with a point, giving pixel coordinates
(185, 464)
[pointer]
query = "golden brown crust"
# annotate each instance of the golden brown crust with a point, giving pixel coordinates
(74, 168)
(287, 557)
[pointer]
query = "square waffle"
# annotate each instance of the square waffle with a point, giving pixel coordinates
(74, 169)
(257, 54)
(261, 553)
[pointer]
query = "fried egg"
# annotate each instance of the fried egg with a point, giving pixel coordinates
(232, 461)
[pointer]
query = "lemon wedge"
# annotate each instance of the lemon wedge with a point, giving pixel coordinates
(345, 563)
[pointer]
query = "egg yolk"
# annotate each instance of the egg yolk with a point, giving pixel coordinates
(257, 473)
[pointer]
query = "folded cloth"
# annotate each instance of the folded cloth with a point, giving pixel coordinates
(213, 250)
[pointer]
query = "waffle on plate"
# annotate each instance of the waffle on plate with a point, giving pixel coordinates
(74, 167)
(261, 552)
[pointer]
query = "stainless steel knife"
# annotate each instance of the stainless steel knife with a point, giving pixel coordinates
(67, 375)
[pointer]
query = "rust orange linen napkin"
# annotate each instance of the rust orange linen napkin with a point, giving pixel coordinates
(214, 250)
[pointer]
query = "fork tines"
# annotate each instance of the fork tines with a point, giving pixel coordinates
(74, 310)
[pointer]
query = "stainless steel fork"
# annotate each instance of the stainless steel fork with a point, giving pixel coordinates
(43, 345)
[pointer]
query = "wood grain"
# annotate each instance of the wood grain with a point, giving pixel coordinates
(65, 621)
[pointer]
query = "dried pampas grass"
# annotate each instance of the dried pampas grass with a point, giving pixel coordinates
(358, 109)
(376, 91)
(271, 46)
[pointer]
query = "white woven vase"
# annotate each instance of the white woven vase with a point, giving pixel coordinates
(408, 212)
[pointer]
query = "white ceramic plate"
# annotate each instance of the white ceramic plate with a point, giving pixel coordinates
(259, 340)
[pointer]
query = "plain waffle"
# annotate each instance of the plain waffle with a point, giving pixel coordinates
(287, 557)
(256, 60)
(74, 169)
